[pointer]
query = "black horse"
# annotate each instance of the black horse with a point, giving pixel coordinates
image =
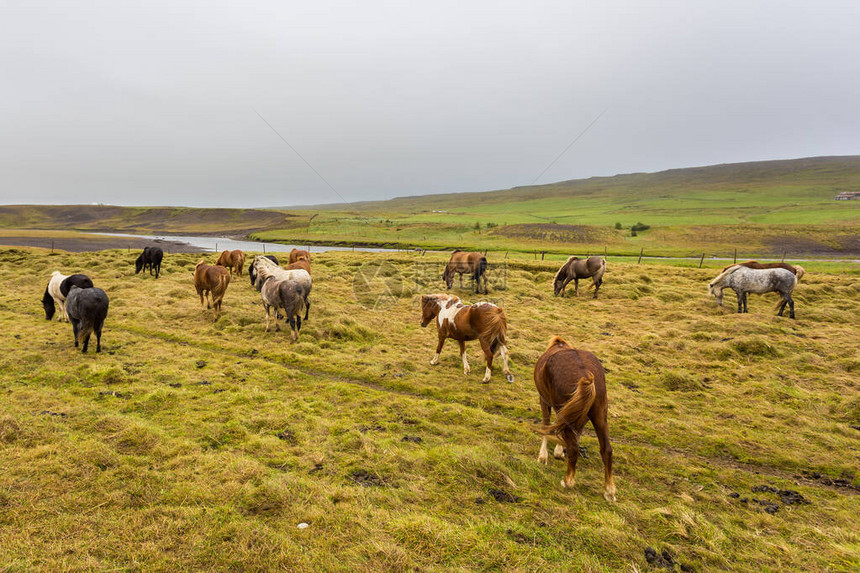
(87, 309)
(253, 274)
(150, 258)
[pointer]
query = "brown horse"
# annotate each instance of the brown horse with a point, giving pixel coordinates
(481, 321)
(575, 269)
(475, 264)
(211, 279)
(232, 259)
(796, 270)
(299, 264)
(299, 255)
(572, 383)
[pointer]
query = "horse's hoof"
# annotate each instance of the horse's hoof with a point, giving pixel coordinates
(543, 459)
(509, 377)
(485, 381)
(467, 371)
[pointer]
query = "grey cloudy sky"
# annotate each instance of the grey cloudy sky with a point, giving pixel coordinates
(153, 103)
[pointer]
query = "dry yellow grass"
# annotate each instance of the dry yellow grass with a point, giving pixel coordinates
(189, 444)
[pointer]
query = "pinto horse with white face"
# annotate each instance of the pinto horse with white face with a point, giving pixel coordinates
(482, 321)
(58, 289)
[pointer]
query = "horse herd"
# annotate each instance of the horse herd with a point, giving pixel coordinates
(570, 381)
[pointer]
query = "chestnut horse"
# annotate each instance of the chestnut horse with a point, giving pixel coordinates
(482, 321)
(575, 269)
(303, 264)
(299, 255)
(232, 259)
(796, 270)
(572, 383)
(211, 280)
(475, 264)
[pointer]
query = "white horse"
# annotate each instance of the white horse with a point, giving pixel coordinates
(744, 280)
(263, 267)
(57, 290)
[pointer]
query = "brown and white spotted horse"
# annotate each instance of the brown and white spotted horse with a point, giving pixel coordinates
(572, 383)
(482, 321)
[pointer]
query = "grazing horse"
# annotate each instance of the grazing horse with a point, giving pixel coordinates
(150, 259)
(796, 270)
(482, 321)
(251, 272)
(262, 264)
(299, 255)
(575, 269)
(211, 280)
(475, 264)
(87, 309)
(299, 264)
(572, 383)
(744, 280)
(232, 260)
(57, 290)
(286, 294)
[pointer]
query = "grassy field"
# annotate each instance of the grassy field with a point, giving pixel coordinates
(764, 208)
(190, 444)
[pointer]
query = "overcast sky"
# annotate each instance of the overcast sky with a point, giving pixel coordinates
(157, 103)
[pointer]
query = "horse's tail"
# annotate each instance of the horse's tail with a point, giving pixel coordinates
(48, 303)
(598, 276)
(480, 268)
(799, 271)
(574, 413)
(726, 272)
(498, 327)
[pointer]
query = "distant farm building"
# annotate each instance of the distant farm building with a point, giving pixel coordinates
(848, 196)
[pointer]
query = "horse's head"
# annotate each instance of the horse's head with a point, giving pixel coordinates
(557, 283)
(717, 292)
(448, 276)
(138, 264)
(429, 308)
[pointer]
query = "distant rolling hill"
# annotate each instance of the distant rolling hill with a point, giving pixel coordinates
(762, 208)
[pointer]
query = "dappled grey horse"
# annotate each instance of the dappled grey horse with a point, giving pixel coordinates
(744, 280)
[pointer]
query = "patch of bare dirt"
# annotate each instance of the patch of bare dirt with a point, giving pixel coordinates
(552, 232)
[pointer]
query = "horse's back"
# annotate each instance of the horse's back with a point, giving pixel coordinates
(563, 366)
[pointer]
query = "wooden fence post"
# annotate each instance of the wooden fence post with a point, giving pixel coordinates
(506, 254)
(542, 253)
(604, 252)
(52, 246)
(702, 260)
(642, 250)
(783, 257)
(735, 261)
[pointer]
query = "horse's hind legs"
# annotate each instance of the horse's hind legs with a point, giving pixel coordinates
(571, 439)
(602, 429)
(543, 456)
(99, 337)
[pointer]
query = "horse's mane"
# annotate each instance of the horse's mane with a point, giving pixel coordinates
(202, 262)
(556, 340)
(727, 271)
(799, 271)
(564, 266)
